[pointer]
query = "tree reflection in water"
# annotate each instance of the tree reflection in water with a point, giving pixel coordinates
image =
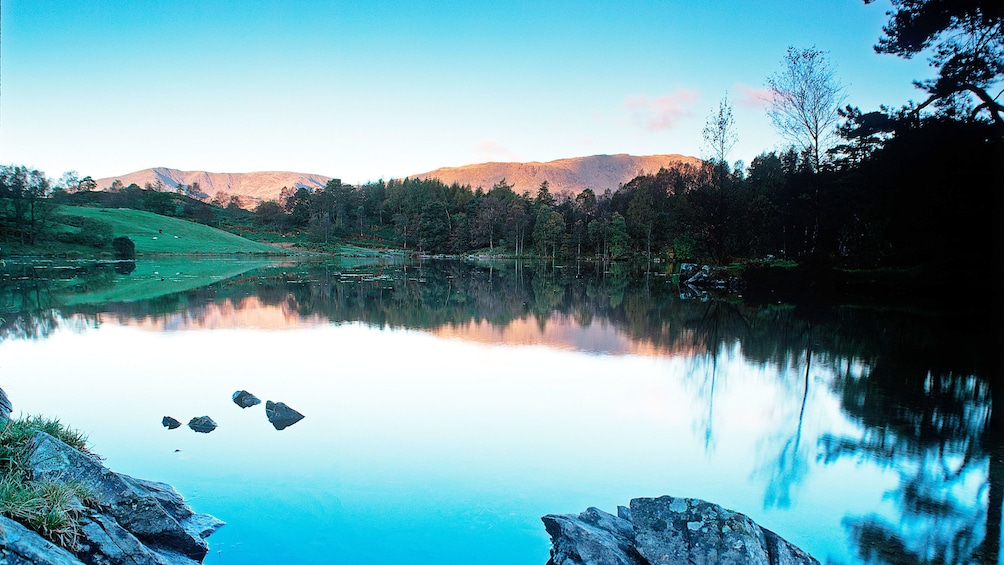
(921, 388)
(926, 407)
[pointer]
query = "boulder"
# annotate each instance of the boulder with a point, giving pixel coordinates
(245, 399)
(280, 415)
(5, 406)
(686, 530)
(21, 546)
(170, 423)
(698, 279)
(148, 522)
(688, 270)
(202, 424)
(706, 278)
(667, 531)
(103, 540)
(591, 538)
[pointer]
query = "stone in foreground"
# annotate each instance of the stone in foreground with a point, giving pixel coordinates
(667, 531)
(134, 521)
(21, 546)
(170, 423)
(202, 424)
(245, 399)
(5, 406)
(280, 415)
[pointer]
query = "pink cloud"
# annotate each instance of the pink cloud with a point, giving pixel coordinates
(494, 151)
(753, 97)
(661, 112)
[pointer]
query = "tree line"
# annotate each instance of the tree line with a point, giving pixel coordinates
(893, 187)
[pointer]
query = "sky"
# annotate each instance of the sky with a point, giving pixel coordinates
(381, 89)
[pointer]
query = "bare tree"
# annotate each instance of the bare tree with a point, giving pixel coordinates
(805, 96)
(720, 131)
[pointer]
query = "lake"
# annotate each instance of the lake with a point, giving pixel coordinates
(448, 405)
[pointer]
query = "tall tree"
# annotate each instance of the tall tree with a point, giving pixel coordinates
(719, 132)
(967, 37)
(805, 96)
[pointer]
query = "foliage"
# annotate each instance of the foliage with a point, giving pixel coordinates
(124, 247)
(967, 38)
(805, 96)
(719, 132)
(92, 232)
(24, 204)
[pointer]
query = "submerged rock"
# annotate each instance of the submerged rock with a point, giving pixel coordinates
(665, 531)
(245, 399)
(202, 424)
(134, 521)
(170, 423)
(280, 415)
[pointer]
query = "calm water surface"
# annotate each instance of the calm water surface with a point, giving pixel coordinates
(448, 406)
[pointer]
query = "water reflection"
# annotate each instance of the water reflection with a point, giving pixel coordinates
(842, 391)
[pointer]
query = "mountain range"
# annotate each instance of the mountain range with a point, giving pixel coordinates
(565, 176)
(253, 186)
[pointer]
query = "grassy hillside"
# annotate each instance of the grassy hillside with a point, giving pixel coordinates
(153, 233)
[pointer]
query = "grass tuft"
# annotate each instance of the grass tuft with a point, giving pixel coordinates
(52, 509)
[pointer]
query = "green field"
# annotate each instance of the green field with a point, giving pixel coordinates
(153, 233)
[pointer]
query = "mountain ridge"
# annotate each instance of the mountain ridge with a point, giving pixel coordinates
(564, 176)
(258, 186)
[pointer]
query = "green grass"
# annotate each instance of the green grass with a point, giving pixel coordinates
(153, 233)
(50, 508)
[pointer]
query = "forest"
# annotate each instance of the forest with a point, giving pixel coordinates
(911, 188)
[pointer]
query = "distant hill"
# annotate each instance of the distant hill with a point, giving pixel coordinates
(565, 176)
(254, 186)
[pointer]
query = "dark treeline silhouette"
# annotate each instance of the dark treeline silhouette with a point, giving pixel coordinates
(925, 192)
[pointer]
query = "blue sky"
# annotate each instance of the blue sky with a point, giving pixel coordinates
(381, 89)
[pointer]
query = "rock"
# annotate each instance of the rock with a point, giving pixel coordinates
(245, 399)
(197, 525)
(21, 546)
(202, 424)
(688, 270)
(103, 540)
(784, 553)
(667, 531)
(591, 538)
(280, 415)
(170, 423)
(5, 406)
(686, 530)
(166, 531)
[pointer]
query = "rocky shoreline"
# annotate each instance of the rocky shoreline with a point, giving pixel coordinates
(127, 521)
(667, 531)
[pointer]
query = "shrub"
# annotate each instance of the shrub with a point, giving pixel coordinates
(90, 231)
(124, 248)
